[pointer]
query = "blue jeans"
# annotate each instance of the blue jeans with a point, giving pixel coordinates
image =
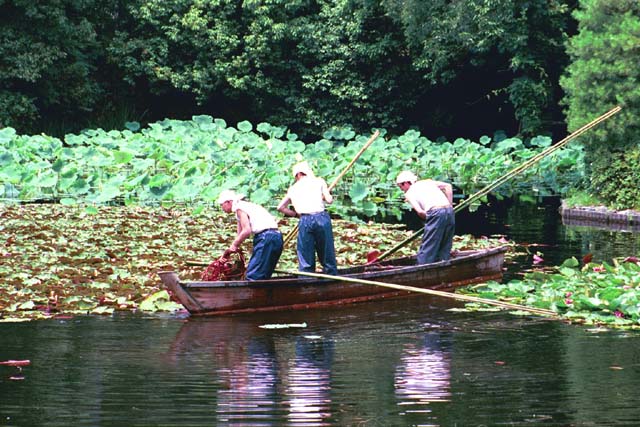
(267, 247)
(315, 234)
(437, 239)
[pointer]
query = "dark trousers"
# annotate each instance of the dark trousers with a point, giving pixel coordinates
(267, 247)
(437, 239)
(315, 234)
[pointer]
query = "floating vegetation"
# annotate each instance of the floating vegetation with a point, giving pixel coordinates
(65, 260)
(593, 294)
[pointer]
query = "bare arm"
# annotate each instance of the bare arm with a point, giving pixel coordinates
(284, 207)
(447, 189)
(416, 207)
(326, 194)
(244, 230)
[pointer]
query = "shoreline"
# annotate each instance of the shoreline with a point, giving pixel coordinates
(600, 216)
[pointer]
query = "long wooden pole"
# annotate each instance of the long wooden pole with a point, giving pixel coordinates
(467, 298)
(355, 158)
(510, 175)
(375, 135)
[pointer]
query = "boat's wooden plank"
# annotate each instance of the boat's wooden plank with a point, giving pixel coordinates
(292, 293)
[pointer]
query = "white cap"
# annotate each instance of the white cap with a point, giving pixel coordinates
(302, 167)
(406, 176)
(227, 195)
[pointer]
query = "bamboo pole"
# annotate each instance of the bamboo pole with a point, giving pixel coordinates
(463, 204)
(467, 298)
(197, 263)
(375, 135)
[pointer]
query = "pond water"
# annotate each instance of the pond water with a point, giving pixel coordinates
(404, 362)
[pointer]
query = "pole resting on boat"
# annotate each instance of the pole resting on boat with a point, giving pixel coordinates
(444, 294)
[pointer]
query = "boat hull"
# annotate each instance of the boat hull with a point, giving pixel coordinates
(296, 292)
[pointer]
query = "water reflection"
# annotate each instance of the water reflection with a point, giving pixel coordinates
(424, 373)
(308, 382)
(256, 375)
(404, 362)
(541, 226)
(247, 383)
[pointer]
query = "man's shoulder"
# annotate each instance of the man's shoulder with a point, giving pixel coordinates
(423, 183)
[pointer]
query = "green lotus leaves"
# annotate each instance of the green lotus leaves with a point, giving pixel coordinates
(186, 189)
(296, 146)
(7, 135)
(484, 140)
(245, 126)
(159, 180)
(570, 262)
(68, 201)
(109, 191)
(175, 160)
(358, 192)
(541, 141)
(261, 196)
(11, 173)
(132, 126)
(160, 301)
(592, 293)
(6, 158)
(370, 209)
(78, 187)
(158, 192)
(134, 182)
(122, 157)
(46, 179)
(203, 120)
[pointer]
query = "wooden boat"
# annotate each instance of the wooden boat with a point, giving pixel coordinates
(295, 292)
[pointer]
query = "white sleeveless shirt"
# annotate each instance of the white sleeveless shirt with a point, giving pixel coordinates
(426, 194)
(259, 218)
(306, 195)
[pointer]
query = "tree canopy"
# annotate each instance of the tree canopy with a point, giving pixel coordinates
(604, 72)
(463, 68)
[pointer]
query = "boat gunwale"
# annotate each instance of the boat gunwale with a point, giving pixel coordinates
(294, 280)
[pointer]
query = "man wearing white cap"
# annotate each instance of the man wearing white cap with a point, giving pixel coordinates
(267, 239)
(432, 200)
(315, 234)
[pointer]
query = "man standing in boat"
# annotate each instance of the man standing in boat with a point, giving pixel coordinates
(267, 239)
(308, 196)
(433, 201)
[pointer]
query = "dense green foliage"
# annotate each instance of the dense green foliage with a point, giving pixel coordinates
(508, 51)
(192, 161)
(53, 64)
(460, 68)
(604, 72)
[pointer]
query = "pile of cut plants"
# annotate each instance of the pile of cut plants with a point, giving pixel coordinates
(61, 260)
